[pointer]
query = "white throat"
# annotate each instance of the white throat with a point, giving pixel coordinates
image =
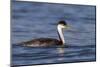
(60, 32)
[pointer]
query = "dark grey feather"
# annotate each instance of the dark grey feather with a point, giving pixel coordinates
(42, 42)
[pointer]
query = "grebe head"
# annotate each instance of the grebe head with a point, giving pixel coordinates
(62, 24)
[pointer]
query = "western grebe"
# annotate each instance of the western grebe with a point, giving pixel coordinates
(49, 41)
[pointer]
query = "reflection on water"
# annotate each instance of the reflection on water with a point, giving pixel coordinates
(61, 53)
(61, 50)
(35, 20)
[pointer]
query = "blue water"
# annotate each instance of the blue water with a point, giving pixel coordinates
(34, 20)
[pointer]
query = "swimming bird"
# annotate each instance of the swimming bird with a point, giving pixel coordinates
(44, 42)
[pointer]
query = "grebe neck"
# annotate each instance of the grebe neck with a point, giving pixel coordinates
(60, 33)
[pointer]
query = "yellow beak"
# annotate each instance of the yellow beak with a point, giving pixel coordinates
(67, 26)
